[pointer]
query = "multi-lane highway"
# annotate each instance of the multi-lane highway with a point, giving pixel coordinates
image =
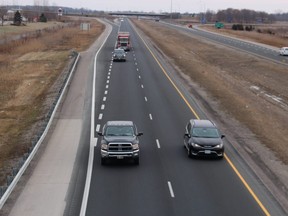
(166, 182)
(267, 52)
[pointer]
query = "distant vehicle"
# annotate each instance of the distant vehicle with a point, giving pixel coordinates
(120, 141)
(202, 138)
(284, 51)
(123, 40)
(189, 26)
(119, 55)
(157, 19)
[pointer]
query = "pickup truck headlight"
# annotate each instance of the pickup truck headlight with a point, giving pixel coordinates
(104, 146)
(135, 146)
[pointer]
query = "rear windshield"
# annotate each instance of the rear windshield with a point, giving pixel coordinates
(205, 132)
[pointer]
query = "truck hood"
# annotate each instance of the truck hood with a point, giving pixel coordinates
(125, 139)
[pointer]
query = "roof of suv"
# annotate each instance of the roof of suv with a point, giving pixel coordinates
(202, 123)
(119, 123)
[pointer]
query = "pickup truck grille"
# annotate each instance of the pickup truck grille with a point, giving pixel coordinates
(120, 147)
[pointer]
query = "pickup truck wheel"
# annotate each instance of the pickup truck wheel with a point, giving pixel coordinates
(103, 161)
(136, 161)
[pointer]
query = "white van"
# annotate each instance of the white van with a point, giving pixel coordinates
(284, 51)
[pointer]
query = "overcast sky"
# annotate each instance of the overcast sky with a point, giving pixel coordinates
(192, 6)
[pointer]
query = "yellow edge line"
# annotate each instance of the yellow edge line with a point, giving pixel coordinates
(193, 111)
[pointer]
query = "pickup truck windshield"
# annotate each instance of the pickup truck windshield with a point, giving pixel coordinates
(119, 131)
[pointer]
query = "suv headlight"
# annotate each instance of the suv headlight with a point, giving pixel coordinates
(219, 145)
(135, 146)
(195, 145)
(104, 146)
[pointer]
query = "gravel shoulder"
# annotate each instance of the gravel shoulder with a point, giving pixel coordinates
(239, 92)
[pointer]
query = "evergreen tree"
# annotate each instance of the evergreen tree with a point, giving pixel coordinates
(42, 18)
(17, 18)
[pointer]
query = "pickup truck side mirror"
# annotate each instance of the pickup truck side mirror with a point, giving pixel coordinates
(140, 134)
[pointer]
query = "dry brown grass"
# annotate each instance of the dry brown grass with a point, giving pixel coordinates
(28, 70)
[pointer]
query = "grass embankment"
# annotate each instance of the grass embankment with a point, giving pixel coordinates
(28, 69)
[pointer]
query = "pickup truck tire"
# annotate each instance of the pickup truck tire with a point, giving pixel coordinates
(136, 161)
(103, 161)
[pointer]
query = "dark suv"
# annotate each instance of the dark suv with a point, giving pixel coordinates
(202, 138)
(120, 141)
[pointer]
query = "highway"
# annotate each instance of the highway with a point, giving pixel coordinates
(267, 52)
(143, 89)
(166, 182)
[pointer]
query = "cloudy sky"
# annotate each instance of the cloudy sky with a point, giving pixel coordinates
(193, 6)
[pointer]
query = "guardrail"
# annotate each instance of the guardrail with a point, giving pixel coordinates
(24, 162)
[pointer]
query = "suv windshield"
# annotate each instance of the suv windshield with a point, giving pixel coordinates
(205, 132)
(119, 131)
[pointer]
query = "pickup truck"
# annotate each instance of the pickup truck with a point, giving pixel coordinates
(120, 141)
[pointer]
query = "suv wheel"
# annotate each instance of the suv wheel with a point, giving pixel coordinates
(189, 153)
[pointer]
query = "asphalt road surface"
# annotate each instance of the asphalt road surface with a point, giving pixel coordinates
(166, 182)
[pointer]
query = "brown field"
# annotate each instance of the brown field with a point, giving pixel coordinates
(229, 80)
(29, 70)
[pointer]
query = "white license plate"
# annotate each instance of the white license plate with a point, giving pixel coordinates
(120, 157)
(207, 151)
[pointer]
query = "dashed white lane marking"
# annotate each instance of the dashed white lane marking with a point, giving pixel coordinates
(134, 59)
(102, 107)
(98, 127)
(142, 86)
(158, 143)
(108, 77)
(104, 98)
(139, 77)
(146, 99)
(100, 116)
(135, 63)
(137, 69)
(106, 92)
(107, 81)
(109, 73)
(107, 86)
(171, 189)
(150, 116)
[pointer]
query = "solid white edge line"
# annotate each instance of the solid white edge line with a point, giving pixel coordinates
(171, 189)
(93, 140)
(158, 143)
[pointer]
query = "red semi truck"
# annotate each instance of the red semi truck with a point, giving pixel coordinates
(123, 41)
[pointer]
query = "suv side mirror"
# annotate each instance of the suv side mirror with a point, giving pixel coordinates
(140, 134)
(187, 135)
(222, 136)
(100, 133)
